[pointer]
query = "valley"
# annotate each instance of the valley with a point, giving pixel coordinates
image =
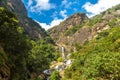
(79, 48)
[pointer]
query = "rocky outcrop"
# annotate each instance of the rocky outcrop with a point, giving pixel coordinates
(31, 27)
(80, 29)
(58, 32)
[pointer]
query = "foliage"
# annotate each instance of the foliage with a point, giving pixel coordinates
(60, 59)
(14, 44)
(40, 56)
(113, 22)
(99, 59)
(20, 54)
(57, 53)
(92, 22)
(72, 30)
(117, 7)
(48, 39)
(55, 76)
(102, 34)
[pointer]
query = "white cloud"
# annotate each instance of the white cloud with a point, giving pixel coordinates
(54, 15)
(52, 24)
(40, 5)
(63, 13)
(75, 9)
(29, 2)
(66, 4)
(100, 6)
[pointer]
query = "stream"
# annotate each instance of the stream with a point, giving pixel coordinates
(61, 66)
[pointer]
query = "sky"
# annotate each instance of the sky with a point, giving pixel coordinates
(49, 13)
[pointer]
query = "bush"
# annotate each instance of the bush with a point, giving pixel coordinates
(55, 76)
(72, 30)
(102, 65)
(98, 59)
(60, 59)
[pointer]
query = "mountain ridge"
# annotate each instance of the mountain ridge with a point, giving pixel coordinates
(32, 28)
(86, 31)
(74, 20)
(91, 45)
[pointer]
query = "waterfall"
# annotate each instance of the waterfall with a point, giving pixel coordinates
(63, 50)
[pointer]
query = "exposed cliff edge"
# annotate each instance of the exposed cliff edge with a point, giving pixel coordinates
(78, 28)
(31, 27)
(75, 20)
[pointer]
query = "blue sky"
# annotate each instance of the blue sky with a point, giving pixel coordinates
(49, 13)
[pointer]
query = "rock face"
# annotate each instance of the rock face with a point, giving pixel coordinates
(58, 32)
(80, 29)
(31, 27)
(69, 26)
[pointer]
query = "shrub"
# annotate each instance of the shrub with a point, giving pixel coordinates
(60, 59)
(55, 76)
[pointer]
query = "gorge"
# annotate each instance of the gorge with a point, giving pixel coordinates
(79, 48)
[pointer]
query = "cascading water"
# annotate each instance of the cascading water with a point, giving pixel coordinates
(63, 52)
(60, 67)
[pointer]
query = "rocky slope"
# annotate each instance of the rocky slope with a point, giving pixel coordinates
(79, 29)
(32, 28)
(97, 59)
(58, 32)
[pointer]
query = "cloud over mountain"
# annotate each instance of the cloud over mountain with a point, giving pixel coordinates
(40, 5)
(100, 6)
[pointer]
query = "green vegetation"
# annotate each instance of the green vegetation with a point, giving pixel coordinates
(19, 55)
(72, 30)
(99, 59)
(15, 45)
(117, 7)
(55, 76)
(60, 59)
(40, 56)
(94, 20)
(113, 22)
(22, 58)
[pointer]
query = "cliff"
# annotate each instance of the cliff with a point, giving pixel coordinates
(73, 21)
(31, 27)
(78, 28)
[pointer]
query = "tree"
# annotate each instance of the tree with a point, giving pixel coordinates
(55, 76)
(15, 43)
(40, 56)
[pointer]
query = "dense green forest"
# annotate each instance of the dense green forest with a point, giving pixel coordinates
(25, 58)
(20, 56)
(97, 59)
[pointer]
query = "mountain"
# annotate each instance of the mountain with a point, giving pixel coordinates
(31, 27)
(62, 33)
(98, 58)
(93, 45)
(75, 20)
(18, 51)
(79, 29)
